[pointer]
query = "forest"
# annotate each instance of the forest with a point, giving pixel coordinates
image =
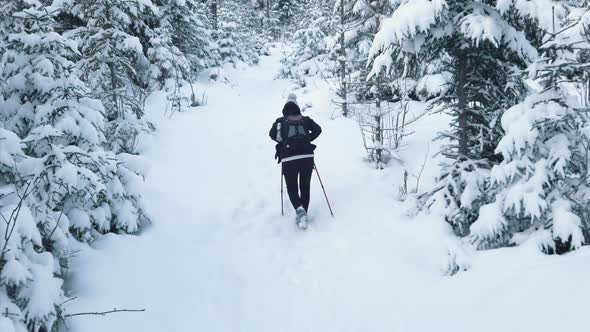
(505, 83)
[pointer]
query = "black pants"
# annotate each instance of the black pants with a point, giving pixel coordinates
(299, 170)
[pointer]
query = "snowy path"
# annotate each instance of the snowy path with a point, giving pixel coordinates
(220, 257)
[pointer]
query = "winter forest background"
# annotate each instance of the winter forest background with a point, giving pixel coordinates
(510, 77)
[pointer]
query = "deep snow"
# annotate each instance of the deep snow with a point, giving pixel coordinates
(219, 256)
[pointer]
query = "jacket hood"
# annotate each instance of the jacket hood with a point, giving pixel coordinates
(291, 108)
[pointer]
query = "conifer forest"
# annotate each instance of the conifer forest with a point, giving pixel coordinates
(138, 190)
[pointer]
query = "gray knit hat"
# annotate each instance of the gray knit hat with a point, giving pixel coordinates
(292, 98)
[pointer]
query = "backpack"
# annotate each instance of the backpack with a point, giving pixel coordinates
(292, 133)
(293, 137)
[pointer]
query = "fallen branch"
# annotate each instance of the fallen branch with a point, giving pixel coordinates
(103, 313)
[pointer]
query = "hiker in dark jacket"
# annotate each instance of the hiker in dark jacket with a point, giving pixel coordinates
(294, 134)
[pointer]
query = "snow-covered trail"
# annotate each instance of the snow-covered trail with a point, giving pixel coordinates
(219, 256)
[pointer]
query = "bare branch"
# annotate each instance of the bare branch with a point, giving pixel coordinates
(103, 313)
(422, 169)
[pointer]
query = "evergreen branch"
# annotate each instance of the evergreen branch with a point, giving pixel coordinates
(57, 223)
(12, 221)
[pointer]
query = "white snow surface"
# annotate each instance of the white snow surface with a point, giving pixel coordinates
(219, 256)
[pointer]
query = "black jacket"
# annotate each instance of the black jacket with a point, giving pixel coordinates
(312, 128)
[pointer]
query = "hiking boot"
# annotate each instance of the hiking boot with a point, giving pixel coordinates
(301, 218)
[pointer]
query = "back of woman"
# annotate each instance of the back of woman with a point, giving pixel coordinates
(294, 133)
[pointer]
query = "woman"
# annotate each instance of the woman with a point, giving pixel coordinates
(294, 134)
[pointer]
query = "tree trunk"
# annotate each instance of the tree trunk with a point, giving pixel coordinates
(462, 104)
(119, 113)
(379, 129)
(343, 60)
(214, 17)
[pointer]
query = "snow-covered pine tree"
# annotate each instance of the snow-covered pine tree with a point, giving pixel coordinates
(180, 41)
(310, 55)
(287, 11)
(14, 262)
(479, 48)
(153, 28)
(270, 19)
(259, 38)
(339, 55)
(228, 39)
(115, 67)
(262, 17)
(56, 179)
(168, 64)
(191, 32)
(114, 64)
(378, 103)
(542, 187)
(235, 42)
(582, 49)
(213, 14)
(350, 42)
(363, 20)
(40, 106)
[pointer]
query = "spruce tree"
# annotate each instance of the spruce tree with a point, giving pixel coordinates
(541, 186)
(191, 33)
(58, 181)
(309, 57)
(480, 59)
(287, 11)
(234, 40)
(51, 162)
(363, 20)
(115, 65)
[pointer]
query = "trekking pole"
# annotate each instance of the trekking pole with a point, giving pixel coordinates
(282, 209)
(324, 189)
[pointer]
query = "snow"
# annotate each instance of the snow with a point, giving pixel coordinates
(559, 152)
(433, 84)
(127, 216)
(43, 291)
(15, 273)
(410, 19)
(486, 24)
(219, 256)
(518, 122)
(545, 11)
(134, 163)
(478, 22)
(566, 225)
(490, 222)
(6, 325)
(9, 146)
(79, 219)
(25, 224)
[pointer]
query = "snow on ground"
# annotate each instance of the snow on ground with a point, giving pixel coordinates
(219, 256)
